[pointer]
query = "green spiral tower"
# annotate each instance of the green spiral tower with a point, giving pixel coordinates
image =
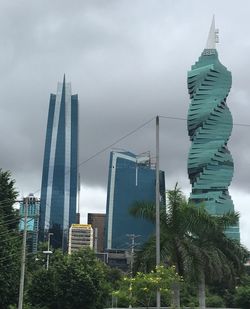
(210, 164)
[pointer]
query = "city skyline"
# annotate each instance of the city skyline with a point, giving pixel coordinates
(128, 63)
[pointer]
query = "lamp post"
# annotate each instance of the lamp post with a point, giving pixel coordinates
(48, 251)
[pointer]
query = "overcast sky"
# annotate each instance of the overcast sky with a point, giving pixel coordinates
(128, 61)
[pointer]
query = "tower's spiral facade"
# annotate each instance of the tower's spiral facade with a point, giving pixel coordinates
(210, 164)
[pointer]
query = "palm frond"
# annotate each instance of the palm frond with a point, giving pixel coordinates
(143, 210)
(227, 219)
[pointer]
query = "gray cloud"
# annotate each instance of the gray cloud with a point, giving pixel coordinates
(128, 62)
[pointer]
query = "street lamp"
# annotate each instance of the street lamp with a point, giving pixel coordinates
(48, 251)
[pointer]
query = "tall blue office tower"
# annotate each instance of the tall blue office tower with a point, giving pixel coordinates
(131, 178)
(59, 180)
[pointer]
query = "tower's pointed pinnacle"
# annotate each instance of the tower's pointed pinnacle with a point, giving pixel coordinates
(212, 36)
(63, 85)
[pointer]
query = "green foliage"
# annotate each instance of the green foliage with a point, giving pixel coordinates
(242, 293)
(10, 242)
(223, 289)
(189, 294)
(8, 196)
(242, 297)
(114, 276)
(219, 257)
(72, 281)
(215, 301)
(42, 288)
(141, 289)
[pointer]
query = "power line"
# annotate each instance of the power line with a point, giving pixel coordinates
(116, 142)
(16, 254)
(9, 232)
(9, 222)
(14, 230)
(134, 131)
(7, 202)
(14, 217)
(185, 119)
(173, 118)
(11, 238)
(127, 135)
(241, 124)
(112, 144)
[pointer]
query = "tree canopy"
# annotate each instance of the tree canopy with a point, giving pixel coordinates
(78, 280)
(10, 242)
(141, 289)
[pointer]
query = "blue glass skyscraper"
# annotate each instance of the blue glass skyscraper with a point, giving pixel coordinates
(59, 179)
(131, 178)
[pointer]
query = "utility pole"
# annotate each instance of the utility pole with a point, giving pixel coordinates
(21, 288)
(157, 208)
(133, 244)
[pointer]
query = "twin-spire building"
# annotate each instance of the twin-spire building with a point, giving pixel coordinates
(60, 165)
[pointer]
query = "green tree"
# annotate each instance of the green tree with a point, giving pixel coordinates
(242, 293)
(8, 196)
(242, 297)
(10, 242)
(141, 289)
(215, 301)
(41, 290)
(114, 276)
(78, 280)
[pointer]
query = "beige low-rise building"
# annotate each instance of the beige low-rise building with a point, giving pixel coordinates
(80, 236)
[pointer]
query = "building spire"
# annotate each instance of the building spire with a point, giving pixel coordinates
(212, 36)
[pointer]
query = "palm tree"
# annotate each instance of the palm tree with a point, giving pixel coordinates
(191, 240)
(217, 257)
(175, 234)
